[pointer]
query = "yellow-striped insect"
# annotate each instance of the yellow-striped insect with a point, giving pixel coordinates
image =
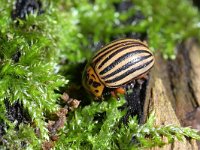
(116, 65)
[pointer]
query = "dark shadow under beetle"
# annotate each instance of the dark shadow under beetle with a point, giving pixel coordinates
(135, 99)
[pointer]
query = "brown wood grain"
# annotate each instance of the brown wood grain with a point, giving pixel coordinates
(174, 92)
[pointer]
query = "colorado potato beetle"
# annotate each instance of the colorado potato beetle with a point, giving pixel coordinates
(116, 65)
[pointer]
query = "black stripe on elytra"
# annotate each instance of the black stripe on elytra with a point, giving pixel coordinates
(124, 67)
(110, 49)
(116, 52)
(128, 72)
(123, 57)
(118, 42)
(130, 80)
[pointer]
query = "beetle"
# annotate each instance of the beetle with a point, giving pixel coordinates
(116, 65)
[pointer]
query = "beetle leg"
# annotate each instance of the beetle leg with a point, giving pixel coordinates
(113, 94)
(120, 90)
(117, 91)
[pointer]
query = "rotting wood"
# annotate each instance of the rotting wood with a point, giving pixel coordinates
(174, 91)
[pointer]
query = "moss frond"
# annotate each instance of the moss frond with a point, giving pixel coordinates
(28, 65)
(24, 138)
(85, 130)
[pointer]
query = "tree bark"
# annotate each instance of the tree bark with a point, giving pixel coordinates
(174, 92)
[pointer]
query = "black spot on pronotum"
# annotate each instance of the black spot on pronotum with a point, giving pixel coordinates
(96, 84)
(93, 76)
(88, 71)
(90, 81)
(97, 91)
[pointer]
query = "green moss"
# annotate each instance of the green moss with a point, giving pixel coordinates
(169, 23)
(24, 138)
(31, 79)
(85, 131)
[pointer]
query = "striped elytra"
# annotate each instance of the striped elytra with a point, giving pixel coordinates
(117, 64)
(122, 61)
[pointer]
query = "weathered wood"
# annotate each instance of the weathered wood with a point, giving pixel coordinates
(174, 91)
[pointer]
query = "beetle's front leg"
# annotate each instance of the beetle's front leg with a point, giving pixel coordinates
(118, 91)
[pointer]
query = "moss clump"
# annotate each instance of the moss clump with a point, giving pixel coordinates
(28, 60)
(84, 130)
